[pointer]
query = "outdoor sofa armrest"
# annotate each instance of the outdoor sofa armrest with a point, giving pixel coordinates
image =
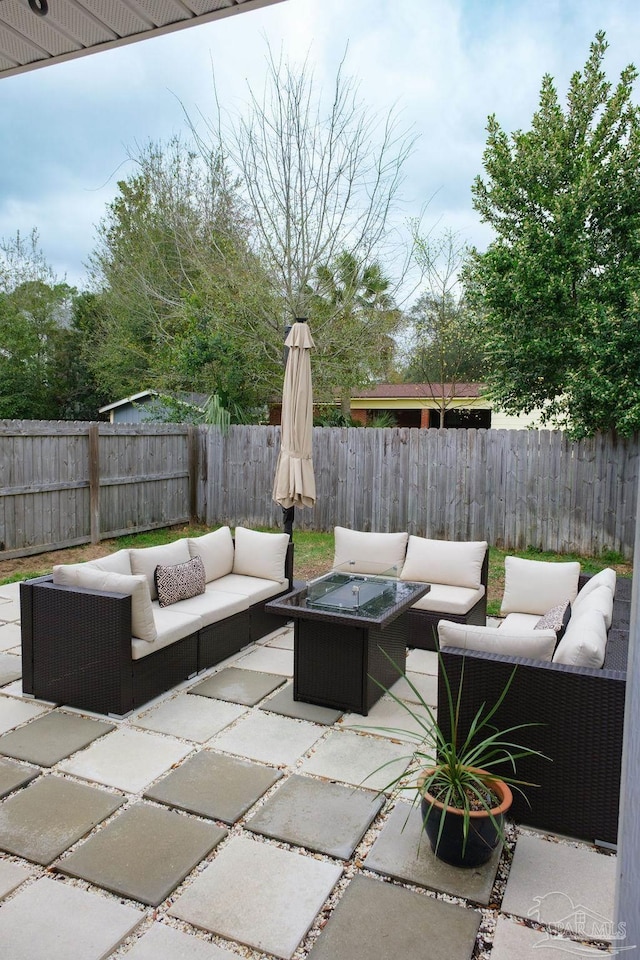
(579, 717)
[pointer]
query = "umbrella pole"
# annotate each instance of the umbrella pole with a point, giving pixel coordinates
(288, 514)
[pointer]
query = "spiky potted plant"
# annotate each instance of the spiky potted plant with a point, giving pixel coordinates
(462, 802)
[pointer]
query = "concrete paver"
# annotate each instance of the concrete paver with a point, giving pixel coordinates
(376, 921)
(193, 718)
(426, 685)
(571, 887)
(11, 876)
(10, 668)
(162, 942)
(13, 712)
(269, 659)
(403, 851)
(389, 719)
(269, 738)
(371, 762)
(14, 775)
(126, 759)
(239, 686)
(214, 785)
(283, 703)
(327, 817)
(49, 739)
(258, 894)
(513, 940)
(49, 815)
(87, 926)
(10, 635)
(422, 661)
(144, 853)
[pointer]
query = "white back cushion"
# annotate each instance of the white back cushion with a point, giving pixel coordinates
(536, 644)
(216, 552)
(371, 552)
(260, 554)
(145, 560)
(117, 562)
(453, 562)
(599, 599)
(534, 586)
(584, 642)
(82, 575)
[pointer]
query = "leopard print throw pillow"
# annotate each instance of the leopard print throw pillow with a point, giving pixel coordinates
(180, 581)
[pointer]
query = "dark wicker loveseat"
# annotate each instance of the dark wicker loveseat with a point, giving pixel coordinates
(580, 712)
(76, 647)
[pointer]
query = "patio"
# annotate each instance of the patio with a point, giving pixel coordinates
(225, 820)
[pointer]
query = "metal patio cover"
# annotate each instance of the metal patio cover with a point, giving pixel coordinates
(74, 28)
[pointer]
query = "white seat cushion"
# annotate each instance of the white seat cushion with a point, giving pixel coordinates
(145, 560)
(445, 599)
(519, 622)
(83, 575)
(170, 625)
(253, 588)
(215, 550)
(260, 554)
(213, 606)
(535, 645)
(457, 563)
(584, 642)
(369, 552)
(534, 586)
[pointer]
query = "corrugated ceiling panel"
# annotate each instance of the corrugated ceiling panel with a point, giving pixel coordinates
(118, 16)
(202, 7)
(162, 12)
(39, 29)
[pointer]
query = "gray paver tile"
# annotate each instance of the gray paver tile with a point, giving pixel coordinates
(11, 876)
(258, 894)
(193, 718)
(10, 610)
(144, 853)
(162, 942)
(54, 921)
(13, 712)
(283, 639)
(513, 940)
(389, 719)
(425, 683)
(326, 817)
(47, 817)
(10, 668)
(14, 775)
(269, 738)
(239, 686)
(423, 661)
(561, 884)
(283, 703)
(214, 785)
(10, 634)
(48, 739)
(402, 851)
(127, 759)
(374, 921)
(269, 659)
(355, 758)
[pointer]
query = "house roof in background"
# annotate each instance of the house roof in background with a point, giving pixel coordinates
(192, 399)
(417, 391)
(74, 28)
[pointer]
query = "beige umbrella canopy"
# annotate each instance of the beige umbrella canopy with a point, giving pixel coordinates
(294, 484)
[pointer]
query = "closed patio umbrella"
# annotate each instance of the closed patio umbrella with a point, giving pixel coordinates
(294, 483)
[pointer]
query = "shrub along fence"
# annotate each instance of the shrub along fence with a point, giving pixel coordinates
(68, 483)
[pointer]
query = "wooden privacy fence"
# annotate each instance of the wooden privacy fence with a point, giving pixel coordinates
(66, 483)
(63, 483)
(514, 488)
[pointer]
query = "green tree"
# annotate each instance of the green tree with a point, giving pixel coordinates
(559, 286)
(354, 319)
(440, 341)
(35, 314)
(181, 292)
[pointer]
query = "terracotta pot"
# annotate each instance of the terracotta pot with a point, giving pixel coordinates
(485, 831)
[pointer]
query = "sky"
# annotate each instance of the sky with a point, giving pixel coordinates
(69, 130)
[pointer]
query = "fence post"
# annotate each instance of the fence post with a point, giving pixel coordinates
(192, 443)
(94, 481)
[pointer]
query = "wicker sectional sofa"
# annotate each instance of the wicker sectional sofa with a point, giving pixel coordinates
(95, 635)
(578, 712)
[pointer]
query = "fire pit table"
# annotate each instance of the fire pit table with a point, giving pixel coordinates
(346, 627)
